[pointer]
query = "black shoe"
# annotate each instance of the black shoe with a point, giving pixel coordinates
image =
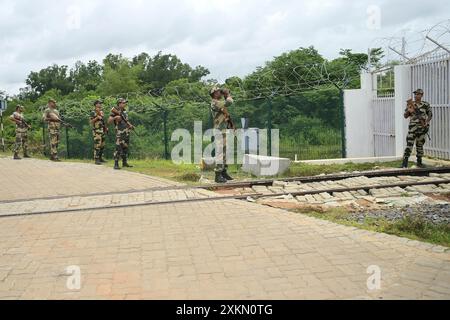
(125, 164)
(220, 178)
(116, 165)
(405, 162)
(16, 157)
(98, 162)
(101, 157)
(227, 176)
(420, 163)
(55, 159)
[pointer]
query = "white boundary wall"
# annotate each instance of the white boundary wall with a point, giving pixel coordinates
(359, 114)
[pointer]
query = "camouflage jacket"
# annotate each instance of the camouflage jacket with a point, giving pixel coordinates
(122, 124)
(51, 124)
(422, 114)
(219, 119)
(98, 126)
(19, 126)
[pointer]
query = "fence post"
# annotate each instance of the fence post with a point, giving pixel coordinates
(1, 125)
(269, 124)
(343, 123)
(166, 137)
(67, 142)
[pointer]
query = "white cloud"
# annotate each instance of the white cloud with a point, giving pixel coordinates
(230, 37)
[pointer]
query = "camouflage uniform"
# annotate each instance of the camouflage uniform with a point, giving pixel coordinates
(99, 134)
(53, 131)
(21, 134)
(417, 128)
(220, 123)
(122, 137)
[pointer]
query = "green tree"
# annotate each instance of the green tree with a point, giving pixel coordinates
(121, 79)
(53, 77)
(86, 77)
(161, 69)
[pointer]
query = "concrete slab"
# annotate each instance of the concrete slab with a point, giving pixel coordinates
(264, 166)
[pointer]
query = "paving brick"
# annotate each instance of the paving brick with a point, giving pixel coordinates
(220, 249)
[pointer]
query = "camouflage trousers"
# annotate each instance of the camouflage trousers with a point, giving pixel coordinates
(221, 153)
(416, 135)
(99, 143)
(54, 138)
(21, 141)
(122, 144)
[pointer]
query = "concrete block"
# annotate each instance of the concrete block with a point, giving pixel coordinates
(265, 166)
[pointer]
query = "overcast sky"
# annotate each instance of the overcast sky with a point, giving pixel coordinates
(229, 37)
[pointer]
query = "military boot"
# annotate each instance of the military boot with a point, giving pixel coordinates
(405, 162)
(220, 178)
(420, 163)
(98, 162)
(16, 156)
(101, 158)
(116, 165)
(125, 163)
(54, 158)
(227, 176)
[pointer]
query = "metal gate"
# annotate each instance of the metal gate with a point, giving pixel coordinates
(432, 75)
(384, 125)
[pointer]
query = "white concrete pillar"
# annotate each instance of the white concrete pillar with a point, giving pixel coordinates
(402, 94)
(359, 116)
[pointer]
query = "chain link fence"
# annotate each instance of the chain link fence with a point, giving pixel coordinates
(307, 131)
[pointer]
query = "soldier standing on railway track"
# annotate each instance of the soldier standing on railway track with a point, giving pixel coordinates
(99, 131)
(420, 115)
(221, 100)
(22, 128)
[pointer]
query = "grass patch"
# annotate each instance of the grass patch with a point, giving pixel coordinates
(300, 169)
(191, 173)
(408, 227)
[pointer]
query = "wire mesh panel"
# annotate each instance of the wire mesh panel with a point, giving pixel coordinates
(384, 125)
(432, 75)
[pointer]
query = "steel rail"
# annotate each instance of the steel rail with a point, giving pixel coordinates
(251, 183)
(235, 197)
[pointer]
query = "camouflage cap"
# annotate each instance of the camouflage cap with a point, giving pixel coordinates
(122, 100)
(419, 91)
(97, 102)
(214, 90)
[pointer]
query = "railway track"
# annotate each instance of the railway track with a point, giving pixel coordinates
(252, 183)
(203, 193)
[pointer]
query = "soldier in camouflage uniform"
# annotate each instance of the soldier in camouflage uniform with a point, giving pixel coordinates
(420, 115)
(123, 128)
(99, 131)
(21, 132)
(221, 99)
(52, 117)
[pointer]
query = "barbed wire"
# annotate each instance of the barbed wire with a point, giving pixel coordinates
(410, 46)
(268, 84)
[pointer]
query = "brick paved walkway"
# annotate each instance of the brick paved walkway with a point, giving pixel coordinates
(222, 249)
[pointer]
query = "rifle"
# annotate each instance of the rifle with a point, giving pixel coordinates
(412, 109)
(23, 122)
(120, 113)
(66, 124)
